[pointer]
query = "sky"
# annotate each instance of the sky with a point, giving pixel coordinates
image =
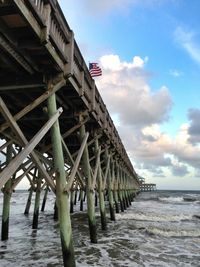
(149, 52)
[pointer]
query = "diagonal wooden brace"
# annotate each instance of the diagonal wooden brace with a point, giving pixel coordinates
(66, 134)
(106, 172)
(97, 164)
(76, 163)
(19, 178)
(12, 167)
(72, 162)
(5, 145)
(34, 103)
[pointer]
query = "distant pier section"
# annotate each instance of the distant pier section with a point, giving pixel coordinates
(145, 187)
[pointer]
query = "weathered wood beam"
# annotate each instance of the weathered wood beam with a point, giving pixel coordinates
(72, 161)
(7, 115)
(101, 192)
(110, 188)
(12, 167)
(9, 61)
(24, 86)
(105, 176)
(5, 145)
(6, 199)
(23, 165)
(76, 163)
(8, 47)
(30, 180)
(94, 157)
(73, 129)
(89, 143)
(66, 134)
(19, 178)
(35, 103)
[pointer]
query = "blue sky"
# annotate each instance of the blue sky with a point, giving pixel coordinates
(150, 56)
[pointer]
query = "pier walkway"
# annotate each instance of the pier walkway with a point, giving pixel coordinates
(55, 129)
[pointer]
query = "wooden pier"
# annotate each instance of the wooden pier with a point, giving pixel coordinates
(55, 129)
(145, 187)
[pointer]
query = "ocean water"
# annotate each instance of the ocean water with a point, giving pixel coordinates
(160, 228)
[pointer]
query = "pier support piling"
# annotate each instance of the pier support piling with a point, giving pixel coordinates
(62, 197)
(37, 202)
(81, 199)
(6, 200)
(28, 203)
(90, 193)
(110, 189)
(44, 198)
(72, 195)
(116, 199)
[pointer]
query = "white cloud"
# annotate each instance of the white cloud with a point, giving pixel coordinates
(113, 63)
(187, 40)
(124, 86)
(138, 62)
(125, 89)
(127, 94)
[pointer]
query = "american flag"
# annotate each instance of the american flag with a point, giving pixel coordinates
(95, 70)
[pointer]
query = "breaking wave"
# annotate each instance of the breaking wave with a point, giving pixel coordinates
(154, 217)
(171, 199)
(177, 199)
(173, 232)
